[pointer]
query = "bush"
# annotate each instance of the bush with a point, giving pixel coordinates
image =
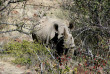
(25, 51)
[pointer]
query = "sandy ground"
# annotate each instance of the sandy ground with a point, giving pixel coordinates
(8, 68)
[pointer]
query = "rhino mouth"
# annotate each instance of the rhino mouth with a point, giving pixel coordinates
(72, 48)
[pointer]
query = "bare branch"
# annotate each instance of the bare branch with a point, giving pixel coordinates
(11, 1)
(5, 6)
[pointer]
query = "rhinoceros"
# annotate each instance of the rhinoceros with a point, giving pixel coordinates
(54, 31)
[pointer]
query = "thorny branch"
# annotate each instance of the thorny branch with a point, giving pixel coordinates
(14, 30)
(9, 2)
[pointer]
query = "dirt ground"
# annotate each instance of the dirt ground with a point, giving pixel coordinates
(8, 68)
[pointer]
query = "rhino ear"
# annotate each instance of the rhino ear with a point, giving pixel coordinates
(65, 34)
(56, 27)
(71, 26)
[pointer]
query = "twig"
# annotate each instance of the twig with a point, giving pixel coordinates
(9, 3)
(40, 61)
(7, 31)
(5, 6)
(82, 32)
(9, 24)
(14, 30)
(50, 52)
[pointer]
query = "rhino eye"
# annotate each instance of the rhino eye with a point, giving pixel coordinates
(62, 34)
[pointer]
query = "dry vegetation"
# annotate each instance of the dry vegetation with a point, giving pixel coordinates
(91, 19)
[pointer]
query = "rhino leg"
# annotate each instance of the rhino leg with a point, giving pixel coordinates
(34, 37)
